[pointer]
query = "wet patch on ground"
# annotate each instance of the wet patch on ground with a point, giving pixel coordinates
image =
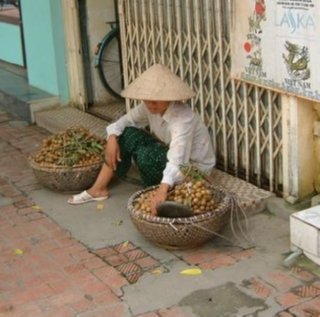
(223, 301)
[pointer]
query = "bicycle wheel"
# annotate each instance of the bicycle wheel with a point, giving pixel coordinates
(109, 63)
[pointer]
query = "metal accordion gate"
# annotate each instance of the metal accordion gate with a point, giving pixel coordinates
(193, 38)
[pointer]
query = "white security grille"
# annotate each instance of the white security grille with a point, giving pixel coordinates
(193, 38)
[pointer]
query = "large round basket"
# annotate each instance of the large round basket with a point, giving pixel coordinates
(182, 233)
(66, 179)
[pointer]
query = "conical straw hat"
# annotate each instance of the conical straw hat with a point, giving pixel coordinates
(160, 84)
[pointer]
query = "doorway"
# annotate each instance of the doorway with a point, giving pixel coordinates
(11, 34)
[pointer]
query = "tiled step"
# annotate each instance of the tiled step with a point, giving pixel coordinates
(57, 120)
(249, 197)
(110, 112)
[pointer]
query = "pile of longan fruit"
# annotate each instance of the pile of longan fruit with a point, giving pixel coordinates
(195, 194)
(74, 147)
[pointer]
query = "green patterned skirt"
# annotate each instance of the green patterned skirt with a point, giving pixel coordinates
(149, 154)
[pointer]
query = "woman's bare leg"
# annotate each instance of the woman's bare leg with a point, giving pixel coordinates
(99, 188)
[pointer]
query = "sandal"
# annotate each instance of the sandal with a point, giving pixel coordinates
(84, 197)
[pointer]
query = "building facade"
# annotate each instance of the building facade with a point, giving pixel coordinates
(266, 137)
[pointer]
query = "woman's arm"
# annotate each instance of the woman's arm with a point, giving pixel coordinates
(136, 117)
(179, 149)
(179, 152)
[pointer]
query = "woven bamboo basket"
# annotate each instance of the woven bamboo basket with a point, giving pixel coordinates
(66, 179)
(182, 233)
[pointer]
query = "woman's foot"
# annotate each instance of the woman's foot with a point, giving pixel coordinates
(88, 196)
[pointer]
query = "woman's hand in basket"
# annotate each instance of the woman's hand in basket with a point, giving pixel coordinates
(159, 196)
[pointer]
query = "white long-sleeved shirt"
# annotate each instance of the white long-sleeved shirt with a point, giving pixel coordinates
(181, 129)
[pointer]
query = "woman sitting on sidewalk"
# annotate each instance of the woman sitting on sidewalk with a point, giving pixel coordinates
(180, 137)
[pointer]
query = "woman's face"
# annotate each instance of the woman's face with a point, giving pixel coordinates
(157, 106)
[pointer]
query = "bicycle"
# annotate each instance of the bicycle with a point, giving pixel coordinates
(108, 61)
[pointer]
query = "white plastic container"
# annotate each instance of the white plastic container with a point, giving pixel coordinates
(305, 232)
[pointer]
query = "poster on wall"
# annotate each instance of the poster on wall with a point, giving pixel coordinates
(275, 44)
